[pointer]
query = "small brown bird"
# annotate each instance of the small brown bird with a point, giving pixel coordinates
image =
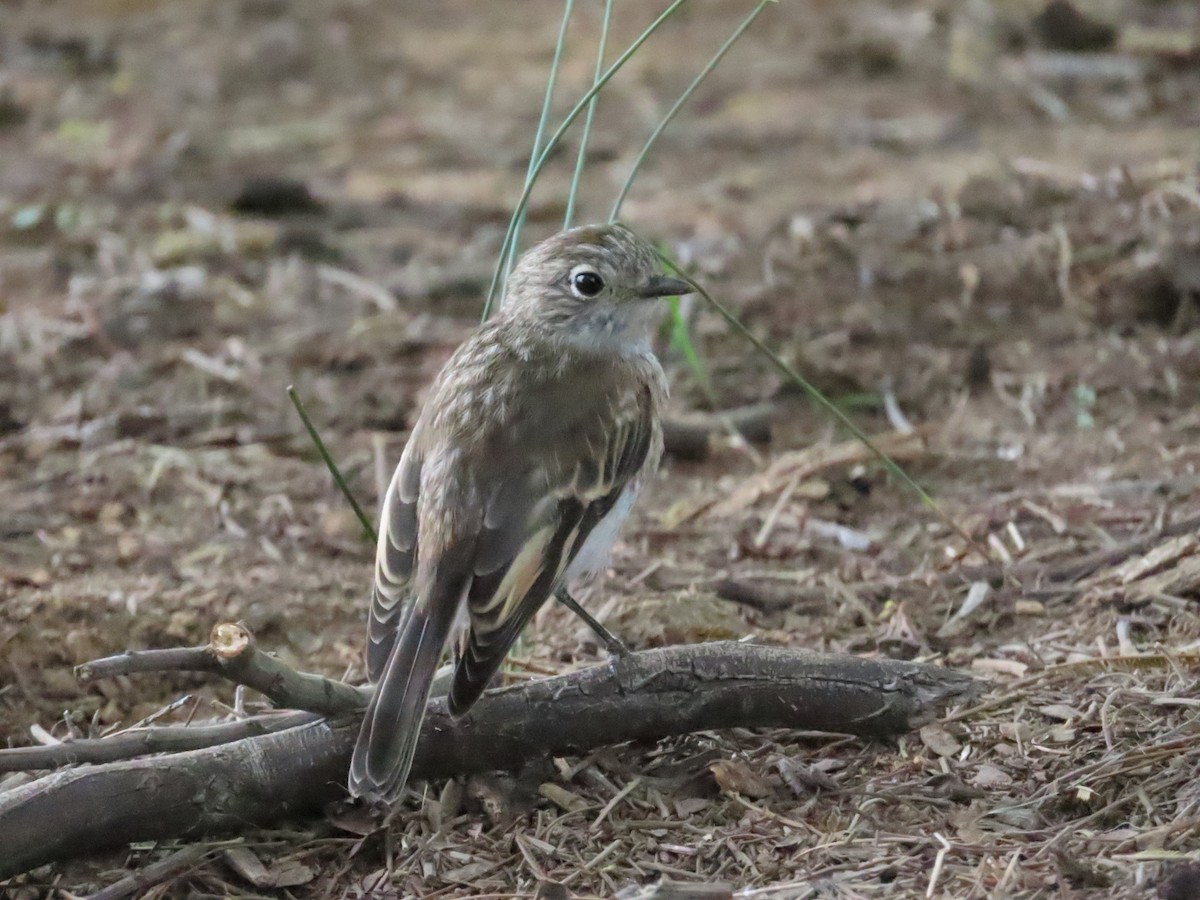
(523, 465)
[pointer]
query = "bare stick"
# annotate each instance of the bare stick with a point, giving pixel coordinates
(231, 652)
(173, 659)
(144, 741)
(647, 695)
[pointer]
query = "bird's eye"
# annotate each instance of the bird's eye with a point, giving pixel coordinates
(586, 284)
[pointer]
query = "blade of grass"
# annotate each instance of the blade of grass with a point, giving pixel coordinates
(683, 98)
(523, 200)
(551, 81)
(681, 340)
(331, 465)
(828, 405)
(587, 120)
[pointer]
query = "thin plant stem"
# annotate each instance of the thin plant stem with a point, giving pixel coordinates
(551, 81)
(587, 120)
(334, 471)
(683, 98)
(825, 403)
(579, 107)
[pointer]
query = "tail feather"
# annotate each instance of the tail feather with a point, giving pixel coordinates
(392, 724)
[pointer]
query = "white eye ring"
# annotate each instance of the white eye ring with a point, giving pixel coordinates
(585, 282)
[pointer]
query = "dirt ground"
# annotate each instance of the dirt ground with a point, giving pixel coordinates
(965, 216)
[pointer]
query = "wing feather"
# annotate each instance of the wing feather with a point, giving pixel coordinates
(541, 521)
(395, 556)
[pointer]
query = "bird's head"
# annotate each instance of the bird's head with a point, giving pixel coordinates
(593, 284)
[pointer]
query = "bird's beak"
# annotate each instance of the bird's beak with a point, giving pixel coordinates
(664, 286)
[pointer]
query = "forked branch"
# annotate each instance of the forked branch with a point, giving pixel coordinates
(648, 695)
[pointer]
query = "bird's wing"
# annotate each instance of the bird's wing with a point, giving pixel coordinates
(535, 523)
(395, 556)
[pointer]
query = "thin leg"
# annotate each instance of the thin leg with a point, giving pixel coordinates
(610, 640)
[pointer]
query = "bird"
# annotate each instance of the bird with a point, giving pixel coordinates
(529, 451)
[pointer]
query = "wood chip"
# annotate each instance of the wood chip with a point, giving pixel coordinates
(1029, 608)
(1060, 711)
(990, 776)
(561, 797)
(1000, 667)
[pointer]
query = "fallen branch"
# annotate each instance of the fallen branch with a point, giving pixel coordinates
(648, 695)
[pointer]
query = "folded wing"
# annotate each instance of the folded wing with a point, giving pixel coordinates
(536, 524)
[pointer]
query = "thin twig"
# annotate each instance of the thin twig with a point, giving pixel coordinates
(174, 659)
(232, 653)
(145, 741)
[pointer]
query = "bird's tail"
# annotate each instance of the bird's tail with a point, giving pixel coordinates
(388, 739)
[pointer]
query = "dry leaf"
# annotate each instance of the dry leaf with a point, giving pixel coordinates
(1016, 731)
(353, 818)
(284, 873)
(940, 741)
(469, 873)
(689, 806)
(738, 778)
(290, 873)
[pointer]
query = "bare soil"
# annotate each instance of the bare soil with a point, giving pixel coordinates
(941, 218)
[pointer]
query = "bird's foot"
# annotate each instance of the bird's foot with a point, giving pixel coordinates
(616, 647)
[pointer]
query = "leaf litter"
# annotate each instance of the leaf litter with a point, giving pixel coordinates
(1033, 321)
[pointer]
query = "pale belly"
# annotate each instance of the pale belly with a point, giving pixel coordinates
(596, 550)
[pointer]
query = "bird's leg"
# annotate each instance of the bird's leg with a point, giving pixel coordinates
(614, 644)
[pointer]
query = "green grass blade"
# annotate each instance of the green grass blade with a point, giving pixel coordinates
(551, 81)
(523, 200)
(587, 120)
(828, 405)
(681, 341)
(331, 465)
(683, 98)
